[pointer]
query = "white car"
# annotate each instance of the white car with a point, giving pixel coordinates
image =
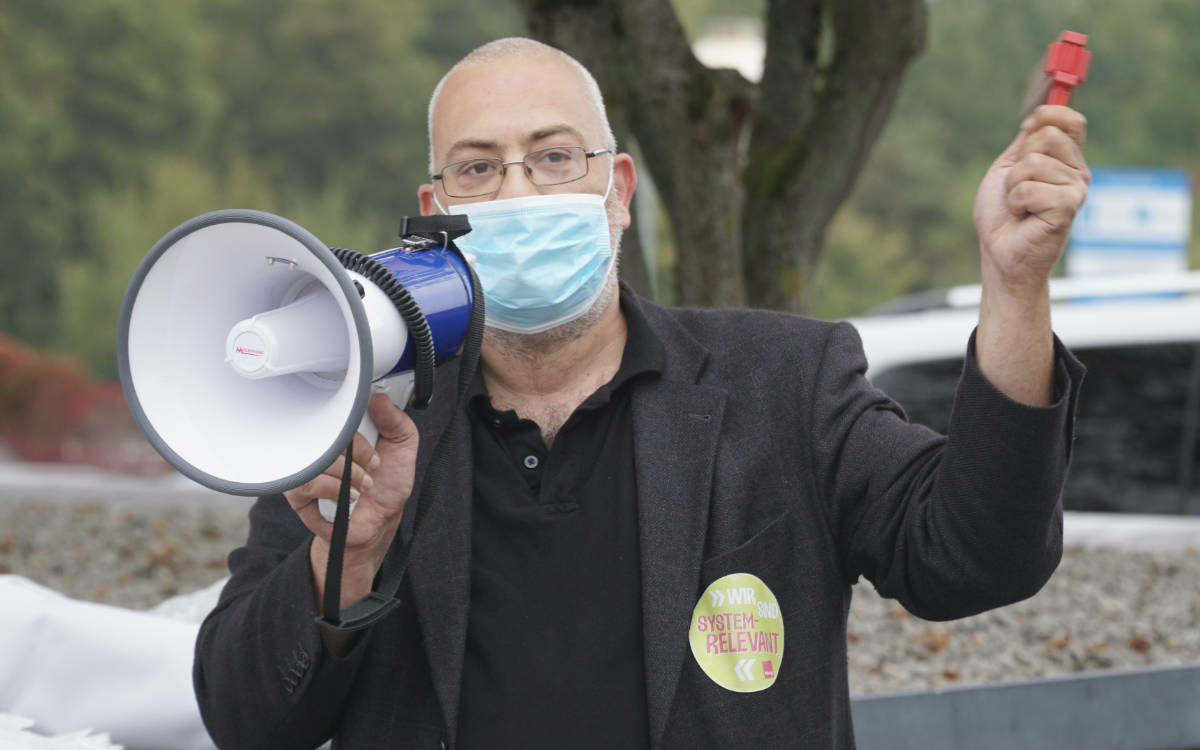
(1137, 448)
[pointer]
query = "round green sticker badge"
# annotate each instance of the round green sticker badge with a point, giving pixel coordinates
(737, 633)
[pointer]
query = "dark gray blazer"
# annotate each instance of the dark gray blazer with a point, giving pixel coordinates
(762, 449)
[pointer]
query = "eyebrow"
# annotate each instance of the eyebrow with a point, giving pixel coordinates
(553, 130)
(472, 144)
(541, 134)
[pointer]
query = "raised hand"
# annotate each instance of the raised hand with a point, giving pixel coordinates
(1023, 213)
(1029, 197)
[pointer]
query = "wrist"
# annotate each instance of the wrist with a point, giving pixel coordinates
(358, 573)
(1020, 286)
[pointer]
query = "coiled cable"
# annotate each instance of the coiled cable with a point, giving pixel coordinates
(418, 327)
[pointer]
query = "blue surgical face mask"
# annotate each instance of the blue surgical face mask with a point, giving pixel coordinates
(542, 259)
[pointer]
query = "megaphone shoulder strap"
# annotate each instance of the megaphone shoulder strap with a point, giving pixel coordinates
(376, 605)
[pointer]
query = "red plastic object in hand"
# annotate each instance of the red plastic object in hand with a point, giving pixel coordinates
(1066, 64)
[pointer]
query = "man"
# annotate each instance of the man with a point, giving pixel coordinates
(641, 482)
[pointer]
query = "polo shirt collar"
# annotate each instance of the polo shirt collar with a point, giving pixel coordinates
(644, 355)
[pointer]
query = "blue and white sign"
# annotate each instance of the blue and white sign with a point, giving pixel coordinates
(1134, 221)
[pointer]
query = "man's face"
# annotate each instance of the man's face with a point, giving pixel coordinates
(510, 107)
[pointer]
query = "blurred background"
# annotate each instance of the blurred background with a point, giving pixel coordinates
(119, 119)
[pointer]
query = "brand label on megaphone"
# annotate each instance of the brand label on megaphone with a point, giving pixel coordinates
(249, 352)
(307, 335)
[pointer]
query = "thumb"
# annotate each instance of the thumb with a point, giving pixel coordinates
(394, 425)
(1012, 152)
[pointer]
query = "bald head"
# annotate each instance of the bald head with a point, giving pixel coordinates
(512, 50)
(509, 99)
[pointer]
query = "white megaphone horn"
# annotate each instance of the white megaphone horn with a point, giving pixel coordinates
(248, 349)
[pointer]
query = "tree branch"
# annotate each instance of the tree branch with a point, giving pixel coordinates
(791, 74)
(687, 120)
(795, 182)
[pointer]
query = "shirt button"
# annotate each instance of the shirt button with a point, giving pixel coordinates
(531, 461)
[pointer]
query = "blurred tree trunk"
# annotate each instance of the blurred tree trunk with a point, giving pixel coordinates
(633, 256)
(750, 174)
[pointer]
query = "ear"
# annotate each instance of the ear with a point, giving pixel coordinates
(425, 198)
(624, 183)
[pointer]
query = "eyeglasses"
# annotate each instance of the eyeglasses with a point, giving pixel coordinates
(556, 165)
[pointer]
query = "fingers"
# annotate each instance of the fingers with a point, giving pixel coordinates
(383, 477)
(394, 425)
(1054, 142)
(397, 449)
(304, 502)
(328, 483)
(1048, 175)
(1041, 167)
(1056, 205)
(1070, 122)
(364, 454)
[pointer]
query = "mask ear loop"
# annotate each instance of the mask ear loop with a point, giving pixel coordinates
(438, 203)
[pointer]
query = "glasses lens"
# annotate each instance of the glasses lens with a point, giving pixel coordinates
(471, 177)
(556, 165)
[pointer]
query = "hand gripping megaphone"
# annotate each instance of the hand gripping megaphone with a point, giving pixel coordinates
(248, 349)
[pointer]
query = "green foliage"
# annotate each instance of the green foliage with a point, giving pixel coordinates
(122, 118)
(315, 93)
(863, 254)
(123, 225)
(958, 108)
(87, 91)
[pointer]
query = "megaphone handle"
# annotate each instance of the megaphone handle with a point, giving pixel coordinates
(399, 389)
(327, 506)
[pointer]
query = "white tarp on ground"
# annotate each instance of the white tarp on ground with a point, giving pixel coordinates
(71, 665)
(16, 733)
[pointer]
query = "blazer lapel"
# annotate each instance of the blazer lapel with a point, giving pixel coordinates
(440, 566)
(675, 430)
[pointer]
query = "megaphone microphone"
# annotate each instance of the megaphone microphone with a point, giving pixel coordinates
(248, 349)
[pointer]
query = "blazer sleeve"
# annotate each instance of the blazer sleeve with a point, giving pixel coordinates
(263, 675)
(947, 525)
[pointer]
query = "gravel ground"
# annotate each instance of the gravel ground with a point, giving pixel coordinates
(1103, 609)
(129, 555)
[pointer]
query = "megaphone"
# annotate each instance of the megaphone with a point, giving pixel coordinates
(248, 349)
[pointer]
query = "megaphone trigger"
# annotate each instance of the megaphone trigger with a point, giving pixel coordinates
(398, 388)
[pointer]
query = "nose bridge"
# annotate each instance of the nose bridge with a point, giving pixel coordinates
(513, 187)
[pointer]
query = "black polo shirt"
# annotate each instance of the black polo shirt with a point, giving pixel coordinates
(554, 655)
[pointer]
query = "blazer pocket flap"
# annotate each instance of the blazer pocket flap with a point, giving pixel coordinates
(768, 548)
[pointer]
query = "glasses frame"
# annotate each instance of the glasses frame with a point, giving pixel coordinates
(504, 165)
